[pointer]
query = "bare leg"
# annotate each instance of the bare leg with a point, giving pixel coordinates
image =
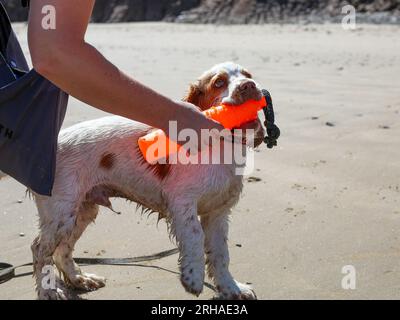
(187, 229)
(216, 246)
(71, 272)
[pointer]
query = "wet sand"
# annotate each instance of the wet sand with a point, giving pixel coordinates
(327, 197)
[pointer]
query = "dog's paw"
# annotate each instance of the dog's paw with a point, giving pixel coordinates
(235, 291)
(192, 278)
(56, 294)
(87, 282)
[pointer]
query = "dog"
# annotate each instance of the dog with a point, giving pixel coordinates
(98, 160)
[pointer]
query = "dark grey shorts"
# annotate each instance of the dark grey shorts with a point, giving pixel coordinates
(32, 110)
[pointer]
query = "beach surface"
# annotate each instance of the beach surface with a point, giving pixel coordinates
(327, 197)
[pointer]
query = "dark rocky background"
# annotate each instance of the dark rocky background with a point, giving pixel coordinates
(232, 11)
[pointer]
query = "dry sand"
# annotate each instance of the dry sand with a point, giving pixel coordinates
(328, 197)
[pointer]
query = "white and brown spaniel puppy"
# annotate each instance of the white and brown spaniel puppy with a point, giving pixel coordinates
(98, 160)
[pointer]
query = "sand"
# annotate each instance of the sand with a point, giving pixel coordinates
(328, 196)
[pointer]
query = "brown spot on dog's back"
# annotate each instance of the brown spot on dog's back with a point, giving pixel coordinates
(159, 170)
(107, 161)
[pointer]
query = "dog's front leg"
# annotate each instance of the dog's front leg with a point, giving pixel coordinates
(216, 244)
(185, 226)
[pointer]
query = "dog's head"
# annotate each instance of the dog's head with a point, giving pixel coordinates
(232, 84)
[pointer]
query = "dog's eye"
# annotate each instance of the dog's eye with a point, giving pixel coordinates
(219, 83)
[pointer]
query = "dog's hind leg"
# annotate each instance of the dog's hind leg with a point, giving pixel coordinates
(216, 228)
(72, 274)
(56, 222)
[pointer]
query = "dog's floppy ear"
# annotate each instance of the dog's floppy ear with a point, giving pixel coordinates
(193, 95)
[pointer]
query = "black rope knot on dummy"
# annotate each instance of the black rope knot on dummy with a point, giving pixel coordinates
(273, 132)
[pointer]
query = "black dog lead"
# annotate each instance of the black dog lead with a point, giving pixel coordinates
(273, 132)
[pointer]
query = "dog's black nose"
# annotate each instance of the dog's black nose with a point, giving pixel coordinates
(247, 85)
(247, 90)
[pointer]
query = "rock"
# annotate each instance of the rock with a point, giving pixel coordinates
(253, 179)
(232, 12)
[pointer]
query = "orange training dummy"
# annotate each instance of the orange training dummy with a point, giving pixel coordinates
(156, 145)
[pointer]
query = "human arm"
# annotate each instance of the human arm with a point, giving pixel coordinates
(66, 59)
